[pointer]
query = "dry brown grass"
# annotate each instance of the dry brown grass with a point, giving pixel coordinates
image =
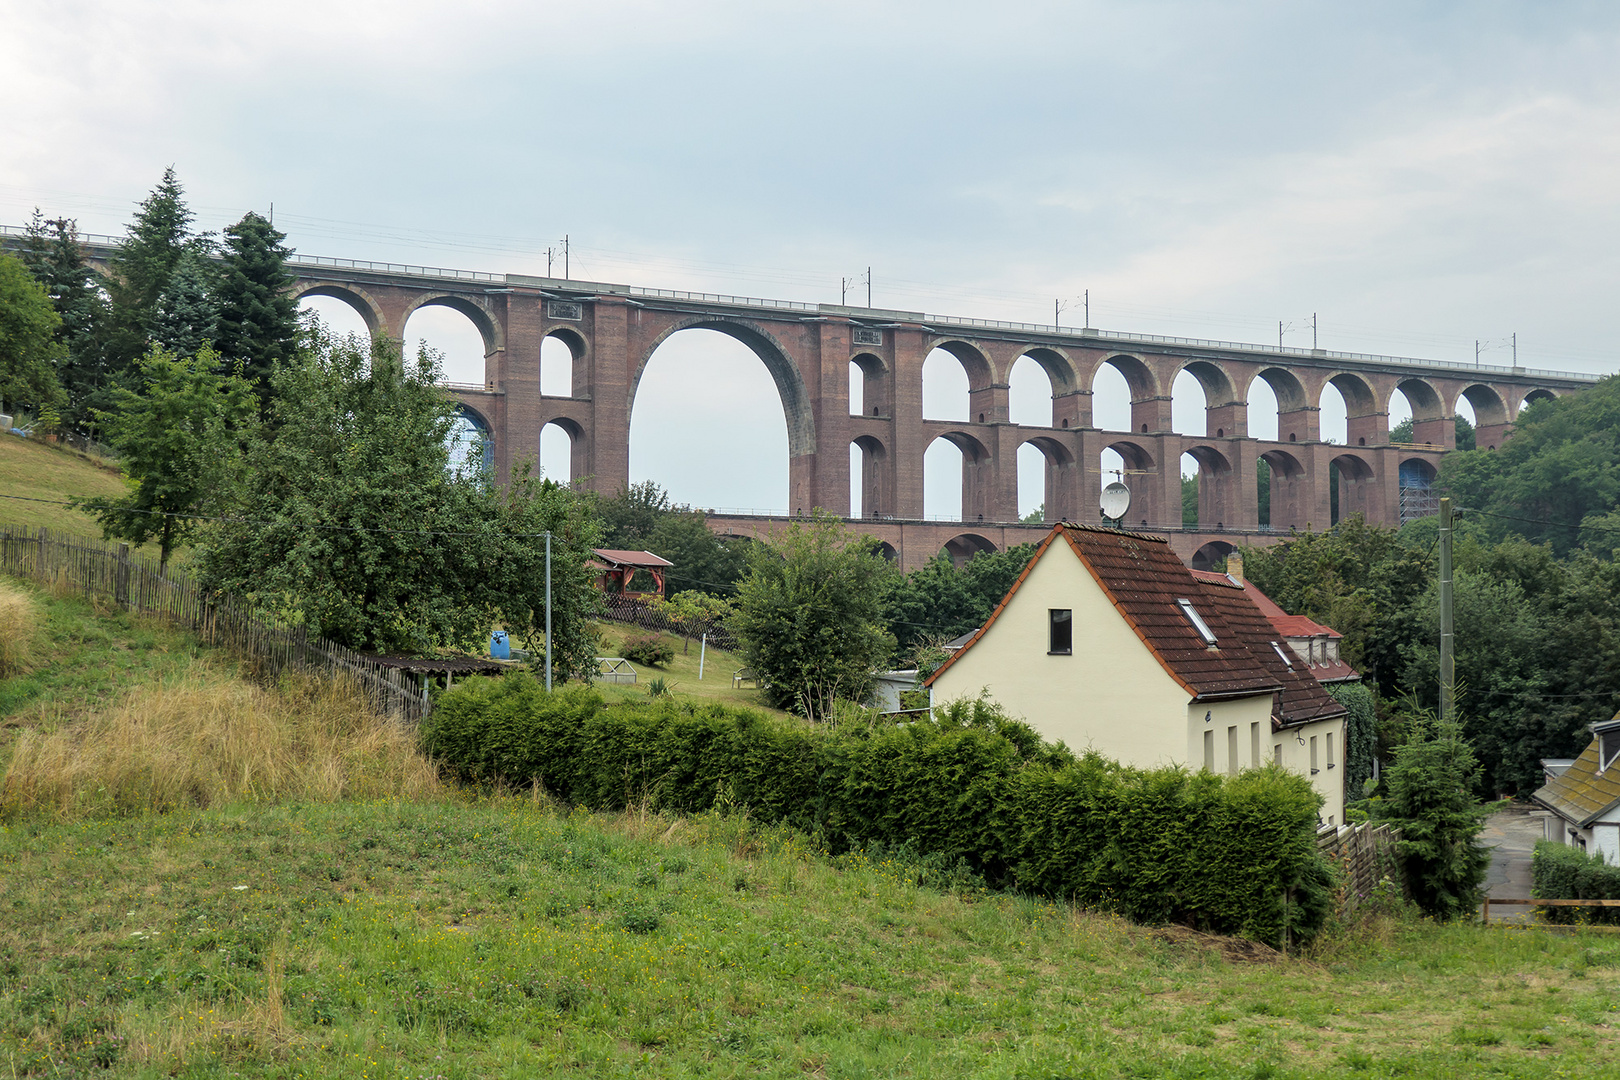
(19, 622)
(211, 739)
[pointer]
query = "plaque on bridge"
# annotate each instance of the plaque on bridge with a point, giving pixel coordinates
(869, 337)
(564, 309)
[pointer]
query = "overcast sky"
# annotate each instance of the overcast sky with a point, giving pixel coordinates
(1420, 175)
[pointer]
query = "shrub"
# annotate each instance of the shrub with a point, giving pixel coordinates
(1559, 872)
(652, 650)
(975, 788)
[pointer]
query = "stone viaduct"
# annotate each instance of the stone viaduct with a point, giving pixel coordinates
(612, 330)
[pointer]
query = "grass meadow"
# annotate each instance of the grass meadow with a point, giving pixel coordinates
(203, 877)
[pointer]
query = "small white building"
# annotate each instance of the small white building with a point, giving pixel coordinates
(1584, 799)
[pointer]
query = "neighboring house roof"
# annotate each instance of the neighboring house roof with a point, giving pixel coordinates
(959, 642)
(616, 559)
(1583, 793)
(1290, 626)
(1302, 699)
(1143, 579)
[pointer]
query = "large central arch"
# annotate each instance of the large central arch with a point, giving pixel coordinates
(796, 402)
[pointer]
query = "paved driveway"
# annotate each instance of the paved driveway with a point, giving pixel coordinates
(1511, 834)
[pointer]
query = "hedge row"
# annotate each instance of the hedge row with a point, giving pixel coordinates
(1229, 855)
(1559, 872)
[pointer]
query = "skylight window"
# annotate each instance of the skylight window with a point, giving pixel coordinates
(1282, 655)
(1197, 621)
(1608, 748)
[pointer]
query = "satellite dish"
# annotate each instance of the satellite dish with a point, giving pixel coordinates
(1116, 499)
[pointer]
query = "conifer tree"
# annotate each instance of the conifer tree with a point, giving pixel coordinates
(258, 317)
(53, 254)
(187, 316)
(140, 269)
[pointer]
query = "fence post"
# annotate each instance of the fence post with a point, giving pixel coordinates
(121, 577)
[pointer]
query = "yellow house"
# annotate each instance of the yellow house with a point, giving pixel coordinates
(1107, 641)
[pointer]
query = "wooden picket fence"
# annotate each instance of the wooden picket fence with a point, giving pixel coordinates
(98, 571)
(1365, 855)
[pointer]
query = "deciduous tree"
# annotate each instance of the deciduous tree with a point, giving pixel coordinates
(29, 350)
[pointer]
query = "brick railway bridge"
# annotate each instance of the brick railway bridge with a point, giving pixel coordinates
(612, 330)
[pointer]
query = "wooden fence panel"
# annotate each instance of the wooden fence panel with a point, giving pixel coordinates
(1365, 855)
(98, 572)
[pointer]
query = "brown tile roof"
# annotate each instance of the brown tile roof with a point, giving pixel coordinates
(1582, 794)
(1291, 626)
(1144, 579)
(1302, 699)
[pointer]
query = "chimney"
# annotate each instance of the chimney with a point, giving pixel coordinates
(1234, 565)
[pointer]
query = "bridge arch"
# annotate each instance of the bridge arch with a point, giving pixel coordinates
(796, 404)
(1488, 406)
(471, 433)
(1361, 409)
(575, 451)
(1057, 463)
(364, 304)
(963, 546)
(938, 380)
(1218, 503)
(1537, 395)
(1295, 415)
(1353, 488)
(1210, 555)
(564, 347)
(975, 479)
(1143, 387)
(478, 312)
(1059, 368)
(869, 465)
(1284, 497)
(876, 390)
(1219, 391)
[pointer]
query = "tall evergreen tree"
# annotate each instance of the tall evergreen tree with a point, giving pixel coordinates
(53, 254)
(187, 316)
(140, 269)
(258, 317)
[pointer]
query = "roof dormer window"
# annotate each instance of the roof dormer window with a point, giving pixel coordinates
(1608, 748)
(1197, 621)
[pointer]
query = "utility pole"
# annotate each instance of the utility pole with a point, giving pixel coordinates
(1448, 659)
(1088, 309)
(868, 286)
(550, 251)
(1476, 352)
(1515, 348)
(1313, 331)
(1279, 333)
(565, 256)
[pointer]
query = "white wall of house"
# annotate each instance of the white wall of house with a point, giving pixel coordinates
(1320, 757)
(1602, 836)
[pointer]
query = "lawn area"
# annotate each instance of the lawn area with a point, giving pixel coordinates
(500, 938)
(33, 469)
(682, 672)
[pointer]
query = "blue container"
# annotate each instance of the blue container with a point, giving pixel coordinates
(498, 648)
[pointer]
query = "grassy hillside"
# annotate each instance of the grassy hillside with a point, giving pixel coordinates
(35, 470)
(681, 673)
(315, 904)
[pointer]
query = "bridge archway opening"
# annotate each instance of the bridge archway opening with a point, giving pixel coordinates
(962, 547)
(1122, 393)
(1280, 491)
(951, 372)
(868, 385)
(1288, 419)
(1351, 489)
(1211, 472)
(1043, 466)
(1488, 413)
(1212, 556)
(1536, 397)
(1030, 390)
(1132, 465)
(342, 313)
(452, 334)
(1417, 401)
(1201, 413)
(560, 352)
(888, 551)
(559, 448)
(868, 486)
(703, 393)
(1358, 405)
(952, 487)
(470, 443)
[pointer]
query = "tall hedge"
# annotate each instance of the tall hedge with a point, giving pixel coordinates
(1360, 735)
(1230, 855)
(1559, 872)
